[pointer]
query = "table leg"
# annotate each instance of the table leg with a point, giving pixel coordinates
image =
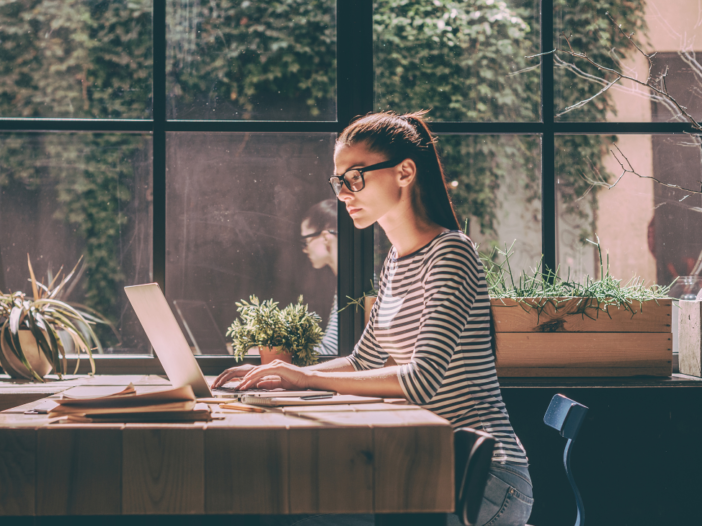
(410, 519)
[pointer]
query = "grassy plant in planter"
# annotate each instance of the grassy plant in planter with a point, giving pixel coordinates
(291, 334)
(595, 297)
(549, 326)
(30, 327)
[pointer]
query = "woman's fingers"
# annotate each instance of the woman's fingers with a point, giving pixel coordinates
(251, 381)
(232, 372)
(223, 379)
(227, 375)
(270, 382)
(286, 376)
(253, 377)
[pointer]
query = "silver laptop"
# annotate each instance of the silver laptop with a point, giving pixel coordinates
(172, 348)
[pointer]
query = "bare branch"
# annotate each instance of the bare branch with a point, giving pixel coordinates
(583, 102)
(649, 57)
(631, 170)
(593, 184)
(519, 72)
(657, 90)
(662, 92)
(542, 54)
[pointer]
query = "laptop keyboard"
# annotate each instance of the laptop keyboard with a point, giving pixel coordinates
(230, 388)
(225, 389)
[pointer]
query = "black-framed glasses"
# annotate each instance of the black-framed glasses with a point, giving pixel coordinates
(354, 180)
(305, 240)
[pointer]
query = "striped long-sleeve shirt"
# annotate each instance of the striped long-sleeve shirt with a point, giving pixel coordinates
(432, 316)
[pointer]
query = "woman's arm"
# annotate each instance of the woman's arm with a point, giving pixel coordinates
(450, 289)
(337, 365)
(375, 382)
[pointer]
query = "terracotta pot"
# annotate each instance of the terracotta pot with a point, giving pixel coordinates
(14, 367)
(268, 354)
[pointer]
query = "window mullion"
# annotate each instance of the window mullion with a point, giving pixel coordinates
(159, 144)
(548, 153)
(355, 97)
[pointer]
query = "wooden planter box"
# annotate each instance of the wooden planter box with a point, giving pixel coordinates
(564, 342)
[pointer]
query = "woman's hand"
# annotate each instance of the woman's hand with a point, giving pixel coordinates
(277, 374)
(231, 373)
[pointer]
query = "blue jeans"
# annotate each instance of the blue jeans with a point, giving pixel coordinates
(507, 502)
(508, 497)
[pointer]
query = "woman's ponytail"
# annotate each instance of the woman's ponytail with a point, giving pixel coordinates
(432, 181)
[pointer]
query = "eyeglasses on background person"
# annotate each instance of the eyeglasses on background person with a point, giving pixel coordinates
(307, 239)
(354, 180)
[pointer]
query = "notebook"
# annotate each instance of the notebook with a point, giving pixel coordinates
(178, 412)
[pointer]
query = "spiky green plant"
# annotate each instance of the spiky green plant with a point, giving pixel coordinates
(538, 289)
(44, 314)
(294, 328)
(359, 303)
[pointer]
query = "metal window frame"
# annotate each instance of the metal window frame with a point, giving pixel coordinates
(354, 97)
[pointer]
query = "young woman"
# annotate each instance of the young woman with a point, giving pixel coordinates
(319, 242)
(433, 312)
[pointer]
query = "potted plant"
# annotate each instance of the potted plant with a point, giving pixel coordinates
(549, 326)
(34, 329)
(291, 334)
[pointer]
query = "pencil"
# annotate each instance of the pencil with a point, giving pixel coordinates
(242, 407)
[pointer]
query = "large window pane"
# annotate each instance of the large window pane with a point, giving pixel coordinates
(237, 205)
(76, 58)
(465, 60)
(670, 29)
(648, 229)
(495, 186)
(63, 196)
(252, 60)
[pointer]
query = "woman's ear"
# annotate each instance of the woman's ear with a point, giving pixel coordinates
(407, 172)
(328, 238)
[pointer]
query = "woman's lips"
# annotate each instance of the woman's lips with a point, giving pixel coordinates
(351, 210)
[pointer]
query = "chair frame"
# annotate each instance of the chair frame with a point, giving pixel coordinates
(566, 416)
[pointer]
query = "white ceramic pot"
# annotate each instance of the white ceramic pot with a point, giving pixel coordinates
(37, 360)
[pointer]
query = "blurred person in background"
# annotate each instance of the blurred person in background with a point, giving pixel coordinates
(318, 237)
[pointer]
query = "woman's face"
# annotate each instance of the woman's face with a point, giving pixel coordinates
(319, 248)
(383, 190)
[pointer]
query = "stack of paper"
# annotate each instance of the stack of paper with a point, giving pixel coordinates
(120, 404)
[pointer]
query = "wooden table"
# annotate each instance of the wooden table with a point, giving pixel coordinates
(376, 458)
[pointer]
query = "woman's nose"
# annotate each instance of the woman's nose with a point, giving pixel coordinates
(344, 194)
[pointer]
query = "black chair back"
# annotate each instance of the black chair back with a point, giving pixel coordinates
(567, 416)
(473, 455)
